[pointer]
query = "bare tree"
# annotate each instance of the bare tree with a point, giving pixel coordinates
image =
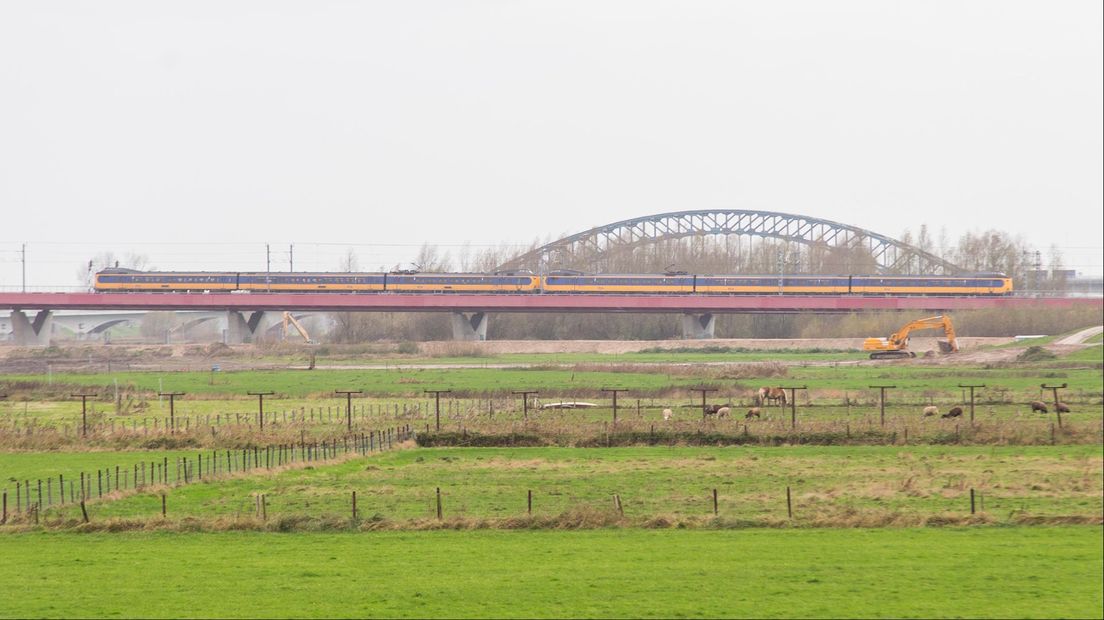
(108, 259)
(349, 262)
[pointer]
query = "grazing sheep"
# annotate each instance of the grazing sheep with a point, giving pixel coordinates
(1062, 408)
(752, 413)
(1039, 406)
(667, 414)
(723, 412)
(715, 409)
(931, 410)
(953, 413)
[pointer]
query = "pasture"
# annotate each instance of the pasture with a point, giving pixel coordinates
(802, 512)
(661, 487)
(648, 379)
(930, 572)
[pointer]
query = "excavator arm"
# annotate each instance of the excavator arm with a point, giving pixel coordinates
(289, 319)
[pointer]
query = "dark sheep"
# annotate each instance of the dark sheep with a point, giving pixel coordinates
(1062, 408)
(953, 413)
(752, 413)
(1039, 406)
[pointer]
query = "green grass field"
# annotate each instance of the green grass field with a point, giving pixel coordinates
(1043, 572)
(588, 379)
(830, 485)
(34, 465)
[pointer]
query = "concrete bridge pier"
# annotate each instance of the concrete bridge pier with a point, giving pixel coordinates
(470, 326)
(697, 326)
(240, 330)
(36, 333)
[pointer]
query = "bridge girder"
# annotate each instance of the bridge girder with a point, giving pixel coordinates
(890, 255)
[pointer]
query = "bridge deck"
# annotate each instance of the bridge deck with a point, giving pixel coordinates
(391, 302)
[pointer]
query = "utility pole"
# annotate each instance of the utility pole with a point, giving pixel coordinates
(23, 259)
(525, 401)
(172, 408)
(1054, 389)
(268, 267)
(971, 398)
(793, 403)
(349, 406)
(260, 405)
(84, 410)
(291, 257)
(437, 396)
(703, 391)
(615, 391)
(883, 388)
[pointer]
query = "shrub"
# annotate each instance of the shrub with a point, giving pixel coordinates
(1036, 354)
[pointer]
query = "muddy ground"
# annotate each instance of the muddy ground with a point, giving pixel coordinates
(101, 358)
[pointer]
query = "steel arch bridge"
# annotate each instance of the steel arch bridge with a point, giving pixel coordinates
(890, 255)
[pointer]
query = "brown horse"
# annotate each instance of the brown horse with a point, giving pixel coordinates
(772, 394)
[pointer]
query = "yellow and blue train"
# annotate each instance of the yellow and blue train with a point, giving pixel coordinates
(128, 280)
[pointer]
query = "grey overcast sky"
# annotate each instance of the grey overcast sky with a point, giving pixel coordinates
(168, 126)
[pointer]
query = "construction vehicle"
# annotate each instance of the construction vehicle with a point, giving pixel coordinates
(896, 346)
(289, 319)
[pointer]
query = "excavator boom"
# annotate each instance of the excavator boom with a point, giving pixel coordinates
(289, 319)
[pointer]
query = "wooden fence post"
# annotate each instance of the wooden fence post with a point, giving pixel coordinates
(789, 504)
(354, 506)
(714, 502)
(972, 508)
(438, 503)
(530, 502)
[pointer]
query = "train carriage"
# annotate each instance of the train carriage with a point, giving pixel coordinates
(176, 281)
(771, 285)
(461, 283)
(647, 284)
(311, 282)
(982, 284)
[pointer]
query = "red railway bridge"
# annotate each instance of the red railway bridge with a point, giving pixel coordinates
(246, 312)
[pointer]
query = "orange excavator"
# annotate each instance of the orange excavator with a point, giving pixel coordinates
(289, 319)
(896, 346)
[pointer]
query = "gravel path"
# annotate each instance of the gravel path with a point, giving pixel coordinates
(1081, 336)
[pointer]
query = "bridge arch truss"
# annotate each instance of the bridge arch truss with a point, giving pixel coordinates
(890, 255)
